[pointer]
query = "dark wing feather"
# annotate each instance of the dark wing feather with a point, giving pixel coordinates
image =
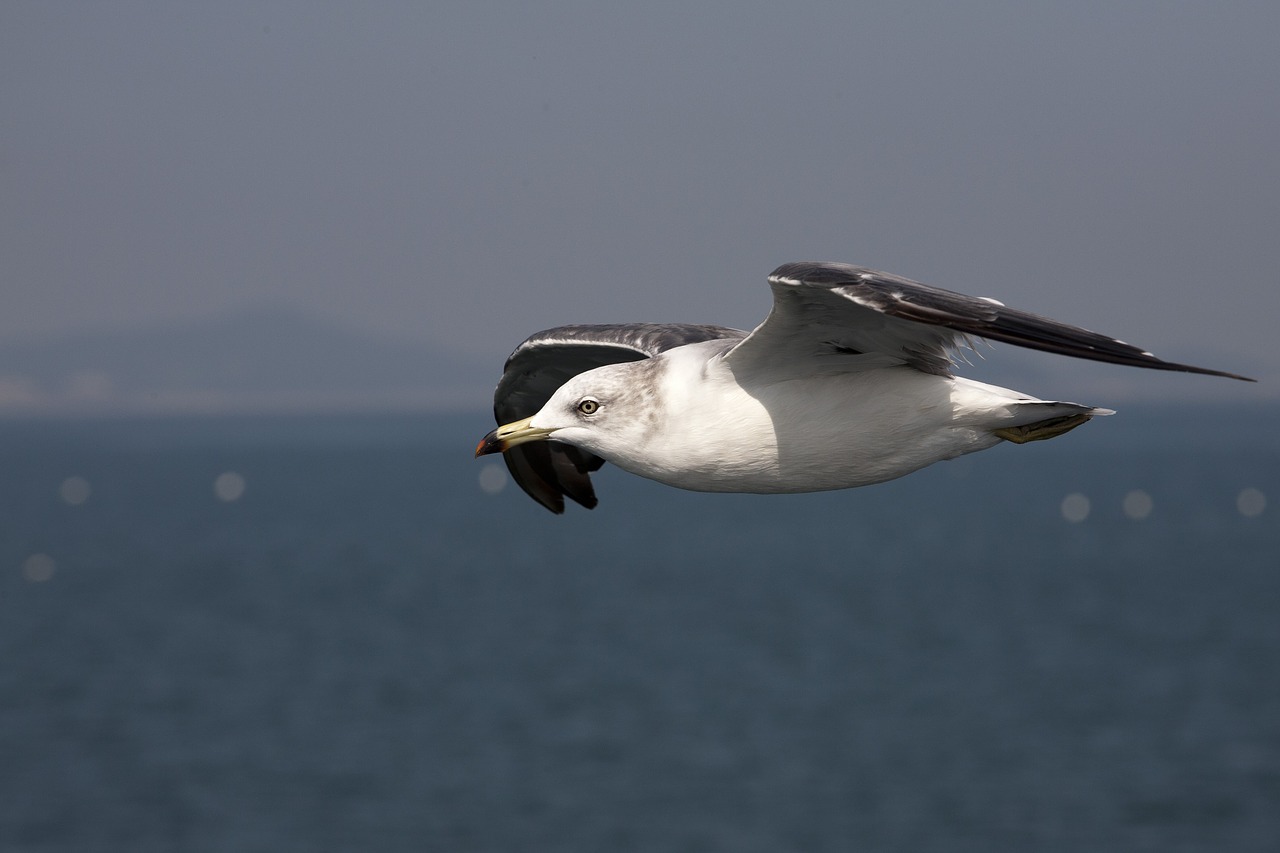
(548, 471)
(825, 307)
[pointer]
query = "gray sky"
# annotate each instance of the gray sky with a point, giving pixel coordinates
(465, 174)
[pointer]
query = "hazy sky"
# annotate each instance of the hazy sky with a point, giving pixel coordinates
(465, 174)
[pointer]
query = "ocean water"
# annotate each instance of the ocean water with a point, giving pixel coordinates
(301, 634)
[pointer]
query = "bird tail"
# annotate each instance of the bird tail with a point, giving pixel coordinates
(1043, 419)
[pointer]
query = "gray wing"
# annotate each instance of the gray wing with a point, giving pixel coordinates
(549, 470)
(824, 308)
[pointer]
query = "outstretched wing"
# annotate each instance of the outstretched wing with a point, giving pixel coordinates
(549, 470)
(824, 308)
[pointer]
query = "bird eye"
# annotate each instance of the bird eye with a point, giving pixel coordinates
(588, 406)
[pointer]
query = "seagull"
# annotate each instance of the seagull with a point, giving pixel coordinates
(847, 382)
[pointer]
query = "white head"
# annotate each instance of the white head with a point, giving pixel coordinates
(608, 411)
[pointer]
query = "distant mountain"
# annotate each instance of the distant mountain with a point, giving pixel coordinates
(280, 361)
(263, 360)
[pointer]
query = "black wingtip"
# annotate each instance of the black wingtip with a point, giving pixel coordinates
(550, 472)
(1161, 364)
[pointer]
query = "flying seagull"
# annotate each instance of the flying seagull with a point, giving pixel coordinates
(846, 383)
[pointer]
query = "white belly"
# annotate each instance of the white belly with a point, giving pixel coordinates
(819, 433)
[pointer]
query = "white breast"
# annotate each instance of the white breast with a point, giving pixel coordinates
(811, 434)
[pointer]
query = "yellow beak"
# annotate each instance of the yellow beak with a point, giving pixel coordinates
(505, 437)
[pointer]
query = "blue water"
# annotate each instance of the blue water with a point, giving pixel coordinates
(367, 651)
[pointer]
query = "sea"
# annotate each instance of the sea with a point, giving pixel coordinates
(343, 632)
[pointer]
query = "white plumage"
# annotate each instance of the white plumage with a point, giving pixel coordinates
(848, 382)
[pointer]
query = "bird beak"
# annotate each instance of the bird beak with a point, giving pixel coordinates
(505, 437)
